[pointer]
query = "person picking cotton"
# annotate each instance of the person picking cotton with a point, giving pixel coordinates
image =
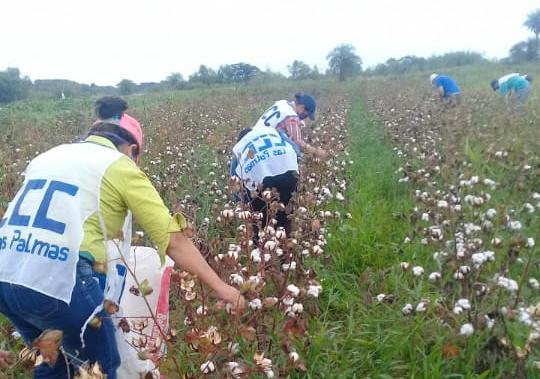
(446, 88)
(289, 116)
(515, 88)
(265, 159)
(53, 236)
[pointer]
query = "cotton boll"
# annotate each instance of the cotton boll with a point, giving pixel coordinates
(255, 255)
(464, 303)
(294, 290)
(407, 309)
(293, 356)
(491, 213)
(533, 283)
(496, 242)
(236, 279)
(202, 311)
(514, 225)
(466, 330)
(421, 306)
(442, 204)
(289, 266)
(255, 304)
(314, 290)
(270, 245)
(509, 284)
(281, 234)
(208, 367)
(297, 308)
(434, 277)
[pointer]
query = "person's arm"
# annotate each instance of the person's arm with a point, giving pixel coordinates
(291, 126)
(234, 165)
(290, 142)
(184, 253)
(440, 91)
(6, 358)
(166, 231)
(504, 88)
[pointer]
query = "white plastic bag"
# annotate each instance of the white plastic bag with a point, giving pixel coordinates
(144, 262)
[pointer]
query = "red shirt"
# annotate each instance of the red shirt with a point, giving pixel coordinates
(292, 127)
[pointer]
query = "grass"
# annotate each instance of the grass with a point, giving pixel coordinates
(355, 336)
(349, 340)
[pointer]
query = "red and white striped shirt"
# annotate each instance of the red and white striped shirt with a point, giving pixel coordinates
(292, 126)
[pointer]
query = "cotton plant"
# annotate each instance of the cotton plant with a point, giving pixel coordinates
(465, 246)
(273, 270)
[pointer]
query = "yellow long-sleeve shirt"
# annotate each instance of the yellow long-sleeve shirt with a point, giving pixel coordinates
(125, 187)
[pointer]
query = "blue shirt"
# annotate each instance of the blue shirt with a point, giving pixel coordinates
(448, 84)
(515, 83)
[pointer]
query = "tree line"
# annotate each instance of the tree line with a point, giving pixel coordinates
(521, 52)
(343, 63)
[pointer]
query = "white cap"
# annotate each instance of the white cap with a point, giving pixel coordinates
(432, 77)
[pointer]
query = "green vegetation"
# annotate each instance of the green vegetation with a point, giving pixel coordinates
(359, 336)
(351, 338)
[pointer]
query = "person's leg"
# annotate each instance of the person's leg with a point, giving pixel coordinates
(445, 100)
(285, 184)
(522, 96)
(456, 99)
(29, 332)
(100, 343)
(44, 312)
(258, 205)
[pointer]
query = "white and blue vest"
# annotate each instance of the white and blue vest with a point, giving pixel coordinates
(263, 152)
(42, 230)
(274, 115)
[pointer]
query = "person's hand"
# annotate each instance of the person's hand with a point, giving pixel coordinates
(232, 296)
(6, 358)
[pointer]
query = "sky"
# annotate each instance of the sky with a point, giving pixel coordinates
(105, 41)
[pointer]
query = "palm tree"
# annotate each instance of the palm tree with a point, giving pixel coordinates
(344, 61)
(533, 24)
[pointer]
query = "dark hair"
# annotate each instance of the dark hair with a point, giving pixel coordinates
(110, 107)
(495, 84)
(243, 133)
(529, 78)
(113, 133)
